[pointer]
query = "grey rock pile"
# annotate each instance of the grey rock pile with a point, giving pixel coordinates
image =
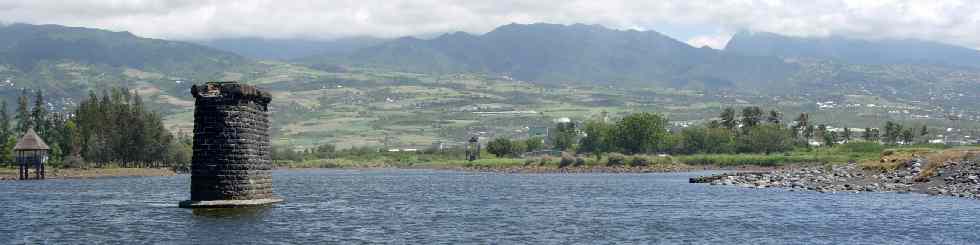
(960, 179)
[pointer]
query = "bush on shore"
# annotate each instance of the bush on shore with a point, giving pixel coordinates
(567, 159)
(615, 159)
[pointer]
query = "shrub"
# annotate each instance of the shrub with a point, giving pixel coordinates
(888, 152)
(74, 162)
(615, 159)
(579, 161)
(500, 147)
(529, 161)
(639, 161)
(545, 160)
(566, 160)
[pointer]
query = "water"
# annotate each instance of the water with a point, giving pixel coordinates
(425, 207)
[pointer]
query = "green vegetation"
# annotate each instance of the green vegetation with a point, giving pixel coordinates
(629, 140)
(114, 131)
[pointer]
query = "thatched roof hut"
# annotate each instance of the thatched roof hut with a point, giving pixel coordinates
(31, 151)
(31, 142)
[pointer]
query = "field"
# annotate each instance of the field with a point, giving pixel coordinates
(355, 107)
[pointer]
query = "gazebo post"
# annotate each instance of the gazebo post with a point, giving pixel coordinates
(31, 150)
(37, 167)
(20, 167)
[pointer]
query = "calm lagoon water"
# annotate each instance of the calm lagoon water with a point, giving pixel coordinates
(425, 207)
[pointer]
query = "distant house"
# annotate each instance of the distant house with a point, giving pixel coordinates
(537, 131)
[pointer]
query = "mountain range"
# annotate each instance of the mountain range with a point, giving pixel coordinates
(854, 51)
(551, 53)
(289, 49)
(72, 59)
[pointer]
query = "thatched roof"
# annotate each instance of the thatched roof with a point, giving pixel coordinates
(31, 141)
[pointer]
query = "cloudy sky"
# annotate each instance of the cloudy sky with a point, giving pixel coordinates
(699, 22)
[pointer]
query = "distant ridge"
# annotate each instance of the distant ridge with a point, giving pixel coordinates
(289, 49)
(854, 51)
(552, 53)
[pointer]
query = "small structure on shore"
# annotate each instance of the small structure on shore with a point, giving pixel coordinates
(231, 165)
(473, 149)
(31, 151)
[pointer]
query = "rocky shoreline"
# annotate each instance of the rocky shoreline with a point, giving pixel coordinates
(669, 168)
(948, 178)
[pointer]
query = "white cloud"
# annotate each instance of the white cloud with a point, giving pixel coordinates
(950, 21)
(717, 41)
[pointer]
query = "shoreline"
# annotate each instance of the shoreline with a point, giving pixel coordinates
(98, 173)
(535, 169)
(675, 168)
(92, 173)
(956, 175)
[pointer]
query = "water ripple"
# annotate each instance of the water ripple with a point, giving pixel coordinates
(437, 207)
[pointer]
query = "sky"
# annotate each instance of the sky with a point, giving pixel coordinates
(697, 22)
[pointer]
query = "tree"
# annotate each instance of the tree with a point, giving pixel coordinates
(751, 116)
(766, 139)
(714, 124)
(847, 135)
(4, 121)
(830, 138)
(893, 132)
(641, 133)
(518, 147)
(908, 136)
(533, 144)
(6, 149)
(499, 147)
(324, 151)
(775, 117)
(697, 140)
(23, 115)
(802, 126)
(923, 131)
(118, 128)
(873, 135)
(808, 132)
(39, 116)
(597, 138)
(563, 136)
(728, 119)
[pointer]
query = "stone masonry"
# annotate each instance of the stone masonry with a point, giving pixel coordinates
(231, 160)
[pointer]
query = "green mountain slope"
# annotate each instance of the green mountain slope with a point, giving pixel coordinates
(550, 53)
(67, 61)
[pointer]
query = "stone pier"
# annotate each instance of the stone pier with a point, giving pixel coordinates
(231, 165)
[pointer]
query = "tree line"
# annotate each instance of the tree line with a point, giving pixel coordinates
(111, 129)
(752, 130)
